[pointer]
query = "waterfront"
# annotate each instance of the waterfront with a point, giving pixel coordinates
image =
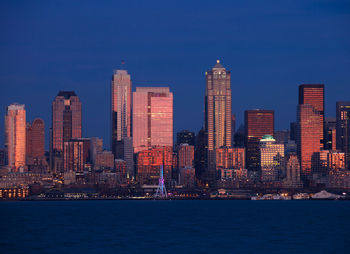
(175, 226)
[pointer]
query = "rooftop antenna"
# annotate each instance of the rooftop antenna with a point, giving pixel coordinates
(123, 65)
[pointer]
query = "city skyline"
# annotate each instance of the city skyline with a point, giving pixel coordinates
(266, 58)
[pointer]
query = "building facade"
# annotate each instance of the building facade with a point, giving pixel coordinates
(230, 158)
(15, 136)
(343, 129)
(121, 91)
(218, 112)
(185, 156)
(152, 118)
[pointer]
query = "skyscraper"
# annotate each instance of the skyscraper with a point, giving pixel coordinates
(308, 136)
(313, 94)
(343, 129)
(152, 118)
(186, 156)
(258, 123)
(185, 137)
(35, 140)
(15, 136)
(121, 110)
(218, 115)
(66, 125)
(330, 134)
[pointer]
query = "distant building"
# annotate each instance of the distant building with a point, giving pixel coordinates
(292, 179)
(201, 155)
(271, 159)
(152, 118)
(120, 168)
(121, 90)
(313, 94)
(96, 146)
(339, 179)
(239, 137)
(282, 137)
(218, 116)
(35, 143)
(308, 138)
(230, 158)
(330, 134)
(76, 154)
(335, 160)
(104, 160)
(343, 129)
(149, 163)
(185, 156)
(185, 137)
(258, 123)
(66, 125)
(187, 177)
(233, 128)
(15, 136)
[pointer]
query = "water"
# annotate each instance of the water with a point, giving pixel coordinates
(197, 226)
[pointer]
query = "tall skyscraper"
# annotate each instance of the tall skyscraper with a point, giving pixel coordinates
(15, 136)
(308, 137)
(218, 116)
(343, 129)
(66, 125)
(292, 179)
(313, 94)
(186, 156)
(152, 118)
(330, 134)
(121, 110)
(258, 123)
(233, 128)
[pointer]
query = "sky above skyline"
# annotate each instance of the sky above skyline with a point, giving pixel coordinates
(270, 47)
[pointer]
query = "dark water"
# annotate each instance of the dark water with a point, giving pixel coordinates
(175, 227)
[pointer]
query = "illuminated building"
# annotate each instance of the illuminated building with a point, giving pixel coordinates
(185, 137)
(14, 193)
(258, 123)
(292, 179)
(218, 114)
(271, 158)
(233, 128)
(66, 125)
(76, 154)
(343, 129)
(308, 138)
(96, 146)
(149, 163)
(120, 168)
(335, 160)
(330, 134)
(313, 94)
(35, 142)
(152, 118)
(339, 179)
(186, 156)
(121, 109)
(15, 136)
(230, 158)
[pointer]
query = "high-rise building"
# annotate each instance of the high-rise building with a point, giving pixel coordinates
(313, 94)
(121, 90)
(343, 129)
(200, 158)
(230, 158)
(185, 156)
(96, 146)
(330, 142)
(35, 141)
(185, 137)
(152, 118)
(66, 125)
(218, 116)
(233, 128)
(271, 159)
(149, 163)
(15, 136)
(258, 123)
(308, 137)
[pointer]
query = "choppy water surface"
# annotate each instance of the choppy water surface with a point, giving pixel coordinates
(197, 226)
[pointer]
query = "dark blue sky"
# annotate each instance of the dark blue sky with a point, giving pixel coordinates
(270, 47)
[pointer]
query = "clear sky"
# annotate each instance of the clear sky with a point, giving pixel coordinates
(270, 47)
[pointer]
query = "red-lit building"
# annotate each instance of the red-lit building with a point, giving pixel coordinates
(186, 156)
(104, 160)
(76, 154)
(230, 158)
(258, 123)
(313, 94)
(308, 137)
(35, 142)
(187, 177)
(149, 162)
